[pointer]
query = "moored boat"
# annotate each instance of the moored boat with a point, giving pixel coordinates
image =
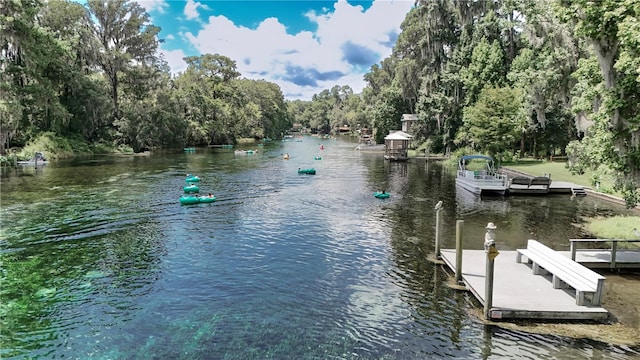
(481, 181)
(38, 159)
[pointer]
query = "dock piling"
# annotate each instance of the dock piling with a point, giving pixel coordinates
(459, 230)
(438, 208)
(492, 252)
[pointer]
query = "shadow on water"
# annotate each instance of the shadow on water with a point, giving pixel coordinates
(99, 259)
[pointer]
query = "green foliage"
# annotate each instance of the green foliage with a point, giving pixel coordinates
(54, 146)
(126, 36)
(452, 161)
(615, 107)
(615, 227)
(490, 125)
(485, 70)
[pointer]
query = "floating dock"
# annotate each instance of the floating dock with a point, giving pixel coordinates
(517, 186)
(517, 292)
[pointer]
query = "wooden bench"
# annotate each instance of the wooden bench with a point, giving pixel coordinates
(563, 270)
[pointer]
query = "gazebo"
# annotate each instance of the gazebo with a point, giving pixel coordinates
(396, 146)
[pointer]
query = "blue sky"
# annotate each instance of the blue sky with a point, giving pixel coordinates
(303, 46)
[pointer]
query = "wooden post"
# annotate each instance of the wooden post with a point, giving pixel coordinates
(438, 208)
(492, 252)
(614, 250)
(459, 228)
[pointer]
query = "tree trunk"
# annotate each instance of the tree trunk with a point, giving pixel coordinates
(114, 95)
(606, 52)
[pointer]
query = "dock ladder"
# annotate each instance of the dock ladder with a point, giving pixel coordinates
(578, 191)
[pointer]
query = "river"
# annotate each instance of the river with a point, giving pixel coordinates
(100, 260)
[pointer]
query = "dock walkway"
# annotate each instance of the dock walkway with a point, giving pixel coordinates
(517, 292)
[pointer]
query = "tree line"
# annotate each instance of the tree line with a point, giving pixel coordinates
(509, 78)
(92, 73)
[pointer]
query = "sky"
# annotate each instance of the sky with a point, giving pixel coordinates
(304, 46)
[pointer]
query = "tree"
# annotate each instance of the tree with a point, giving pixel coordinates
(490, 124)
(261, 110)
(207, 96)
(126, 37)
(611, 28)
(84, 94)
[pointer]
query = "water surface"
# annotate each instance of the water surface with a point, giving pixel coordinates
(99, 259)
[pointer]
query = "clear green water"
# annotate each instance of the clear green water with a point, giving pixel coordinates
(99, 260)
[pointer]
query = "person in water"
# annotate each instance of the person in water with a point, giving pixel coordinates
(210, 195)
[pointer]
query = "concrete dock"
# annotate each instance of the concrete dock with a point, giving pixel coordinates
(517, 292)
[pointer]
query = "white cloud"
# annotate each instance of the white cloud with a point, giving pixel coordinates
(191, 9)
(154, 5)
(175, 60)
(347, 42)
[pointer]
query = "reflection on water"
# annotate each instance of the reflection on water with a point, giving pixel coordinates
(468, 203)
(100, 260)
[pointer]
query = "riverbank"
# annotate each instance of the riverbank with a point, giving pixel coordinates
(621, 298)
(590, 191)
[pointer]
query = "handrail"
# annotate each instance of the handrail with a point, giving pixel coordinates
(614, 247)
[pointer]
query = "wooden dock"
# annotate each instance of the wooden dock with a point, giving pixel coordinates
(614, 257)
(554, 187)
(525, 184)
(601, 259)
(517, 292)
(563, 187)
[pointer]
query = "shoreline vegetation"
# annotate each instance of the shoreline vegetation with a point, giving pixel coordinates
(621, 292)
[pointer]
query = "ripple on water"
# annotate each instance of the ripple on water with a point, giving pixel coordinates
(281, 266)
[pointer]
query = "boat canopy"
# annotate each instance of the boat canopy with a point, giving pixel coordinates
(471, 157)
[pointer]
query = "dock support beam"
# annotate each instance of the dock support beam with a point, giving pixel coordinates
(438, 208)
(459, 227)
(492, 252)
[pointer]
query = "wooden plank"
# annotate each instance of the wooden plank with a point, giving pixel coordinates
(517, 292)
(563, 187)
